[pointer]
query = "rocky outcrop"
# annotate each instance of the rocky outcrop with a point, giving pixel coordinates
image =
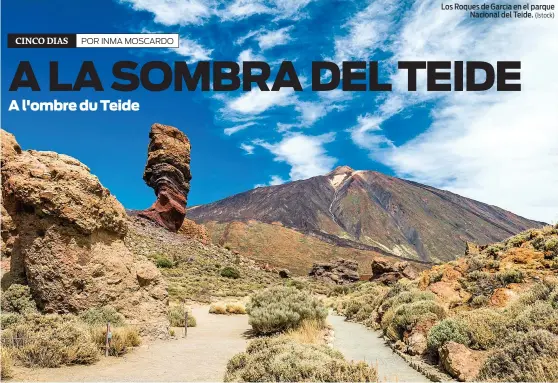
(386, 272)
(192, 230)
(341, 271)
(168, 172)
(461, 362)
(66, 240)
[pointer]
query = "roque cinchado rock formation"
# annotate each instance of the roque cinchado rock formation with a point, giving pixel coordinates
(168, 172)
(64, 234)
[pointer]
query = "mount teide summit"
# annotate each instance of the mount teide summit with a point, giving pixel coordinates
(364, 210)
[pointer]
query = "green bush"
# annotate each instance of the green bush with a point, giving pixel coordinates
(448, 330)
(518, 240)
(281, 308)
(230, 272)
(163, 262)
(510, 276)
(9, 319)
(102, 315)
(404, 317)
(18, 299)
(50, 341)
(176, 317)
(539, 315)
(523, 357)
(484, 327)
(281, 359)
(551, 244)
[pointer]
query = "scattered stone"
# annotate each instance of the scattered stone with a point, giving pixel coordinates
(341, 271)
(168, 172)
(461, 362)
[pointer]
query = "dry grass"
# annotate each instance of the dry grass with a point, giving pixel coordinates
(6, 364)
(123, 339)
(218, 308)
(235, 308)
(309, 332)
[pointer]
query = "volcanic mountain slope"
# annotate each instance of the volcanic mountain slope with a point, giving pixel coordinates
(370, 211)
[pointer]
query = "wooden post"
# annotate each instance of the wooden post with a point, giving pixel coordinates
(185, 323)
(107, 339)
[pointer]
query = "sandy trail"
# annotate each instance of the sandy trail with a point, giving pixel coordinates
(202, 356)
(357, 342)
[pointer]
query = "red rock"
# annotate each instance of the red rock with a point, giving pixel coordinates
(461, 362)
(168, 172)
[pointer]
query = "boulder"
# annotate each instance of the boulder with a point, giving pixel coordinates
(192, 230)
(66, 234)
(341, 271)
(461, 362)
(284, 273)
(386, 272)
(168, 172)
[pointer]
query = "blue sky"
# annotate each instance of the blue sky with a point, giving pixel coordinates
(498, 148)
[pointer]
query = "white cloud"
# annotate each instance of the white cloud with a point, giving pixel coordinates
(249, 149)
(496, 147)
(269, 39)
(237, 128)
(248, 55)
(175, 12)
(367, 30)
(275, 180)
(281, 9)
(305, 154)
(257, 101)
(192, 50)
(240, 9)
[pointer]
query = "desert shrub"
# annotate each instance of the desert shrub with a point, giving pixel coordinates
(283, 359)
(405, 316)
(281, 308)
(218, 308)
(309, 331)
(176, 317)
(517, 240)
(448, 330)
(9, 319)
(230, 272)
(50, 341)
(524, 357)
(479, 300)
(163, 262)
(493, 250)
(551, 244)
(18, 299)
(436, 276)
(539, 315)
(235, 308)
(339, 290)
(406, 296)
(481, 283)
(297, 284)
(538, 243)
(484, 327)
(6, 364)
(123, 338)
(510, 276)
(102, 315)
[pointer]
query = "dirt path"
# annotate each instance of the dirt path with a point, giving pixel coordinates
(202, 356)
(357, 342)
